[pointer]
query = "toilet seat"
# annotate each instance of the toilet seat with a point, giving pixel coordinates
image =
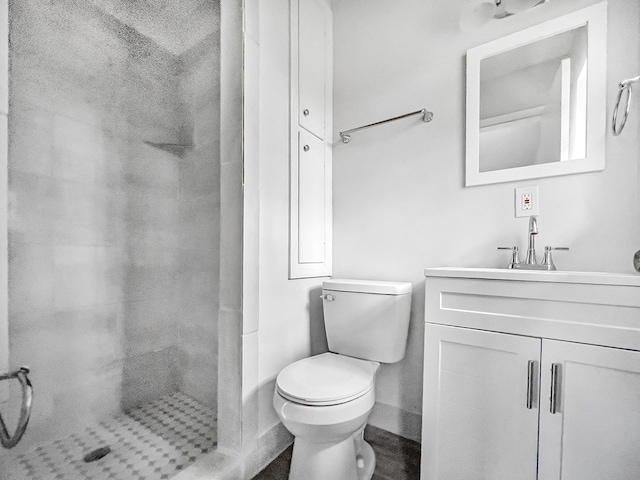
(326, 379)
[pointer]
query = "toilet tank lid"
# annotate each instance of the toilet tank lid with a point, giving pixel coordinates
(367, 286)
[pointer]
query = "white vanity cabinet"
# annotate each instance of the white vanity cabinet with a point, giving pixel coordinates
(531, 375)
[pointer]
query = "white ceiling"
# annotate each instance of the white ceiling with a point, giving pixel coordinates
(176, 25)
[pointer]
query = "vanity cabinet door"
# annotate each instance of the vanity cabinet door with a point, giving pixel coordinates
(480, 405)
(594, 433)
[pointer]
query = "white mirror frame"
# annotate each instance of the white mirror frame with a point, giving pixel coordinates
(595, 18)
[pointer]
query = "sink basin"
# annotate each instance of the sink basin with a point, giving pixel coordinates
(596, 278)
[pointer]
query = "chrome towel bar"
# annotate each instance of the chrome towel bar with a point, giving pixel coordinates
(9, 441)
(624, 85)
(427, 116)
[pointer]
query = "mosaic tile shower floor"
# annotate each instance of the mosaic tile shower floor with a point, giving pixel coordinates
(152, 442)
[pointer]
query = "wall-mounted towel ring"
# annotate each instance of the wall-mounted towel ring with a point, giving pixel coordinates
(625, 85)
(22, 375)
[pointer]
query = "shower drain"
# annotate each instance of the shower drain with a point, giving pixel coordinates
(97, 454)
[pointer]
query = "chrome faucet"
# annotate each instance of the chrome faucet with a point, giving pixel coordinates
(531, 249)
(531, 261)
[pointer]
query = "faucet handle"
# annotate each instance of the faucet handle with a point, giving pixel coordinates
(515, 257)
(547, 259)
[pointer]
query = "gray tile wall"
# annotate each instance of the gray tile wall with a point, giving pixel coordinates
(199, 208)
(113, 244)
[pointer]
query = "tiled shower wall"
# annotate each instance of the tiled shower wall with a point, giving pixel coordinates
(199, 210)
(105, 228)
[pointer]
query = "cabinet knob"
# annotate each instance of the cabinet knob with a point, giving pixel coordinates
(306, 112)
(306, 148)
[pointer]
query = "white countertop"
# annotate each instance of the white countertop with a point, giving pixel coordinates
(558, 276)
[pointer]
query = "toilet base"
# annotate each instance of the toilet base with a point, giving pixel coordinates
(366, 462)
(350, 459)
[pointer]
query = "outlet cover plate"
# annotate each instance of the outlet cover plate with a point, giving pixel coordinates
(526, 201)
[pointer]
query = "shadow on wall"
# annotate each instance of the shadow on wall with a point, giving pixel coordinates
(316, 318)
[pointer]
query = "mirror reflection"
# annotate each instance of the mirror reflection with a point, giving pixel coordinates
(533, 103)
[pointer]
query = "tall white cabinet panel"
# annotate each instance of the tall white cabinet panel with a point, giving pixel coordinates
(480, 415)
(595, 432)
(310, 219)
(312, 68)
(311, 199)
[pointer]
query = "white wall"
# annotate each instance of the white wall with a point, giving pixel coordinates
(400, 203)
(289, 310)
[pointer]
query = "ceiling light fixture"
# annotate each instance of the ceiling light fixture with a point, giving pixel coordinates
(478, 13)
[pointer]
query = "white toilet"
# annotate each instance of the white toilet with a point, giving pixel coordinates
(325, 400)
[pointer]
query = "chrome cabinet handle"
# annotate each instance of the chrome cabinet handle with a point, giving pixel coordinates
(306, 148)
(555, 387)
(531, 368)
(306, 112)
(328, 297)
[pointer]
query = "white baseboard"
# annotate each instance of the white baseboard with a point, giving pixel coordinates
(270, 444)
(398, 421)
(224, 465)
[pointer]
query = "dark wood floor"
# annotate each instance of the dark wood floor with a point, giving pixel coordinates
(397, 458)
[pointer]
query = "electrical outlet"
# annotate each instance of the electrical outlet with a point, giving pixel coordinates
(527, 201)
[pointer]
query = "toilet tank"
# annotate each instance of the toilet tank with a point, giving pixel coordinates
(367, 319)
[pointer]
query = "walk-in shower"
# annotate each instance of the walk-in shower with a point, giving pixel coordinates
(114, 234)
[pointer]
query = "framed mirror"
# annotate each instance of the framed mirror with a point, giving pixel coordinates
(536, 101)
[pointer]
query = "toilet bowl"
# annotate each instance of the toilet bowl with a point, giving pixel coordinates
(325, 402)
